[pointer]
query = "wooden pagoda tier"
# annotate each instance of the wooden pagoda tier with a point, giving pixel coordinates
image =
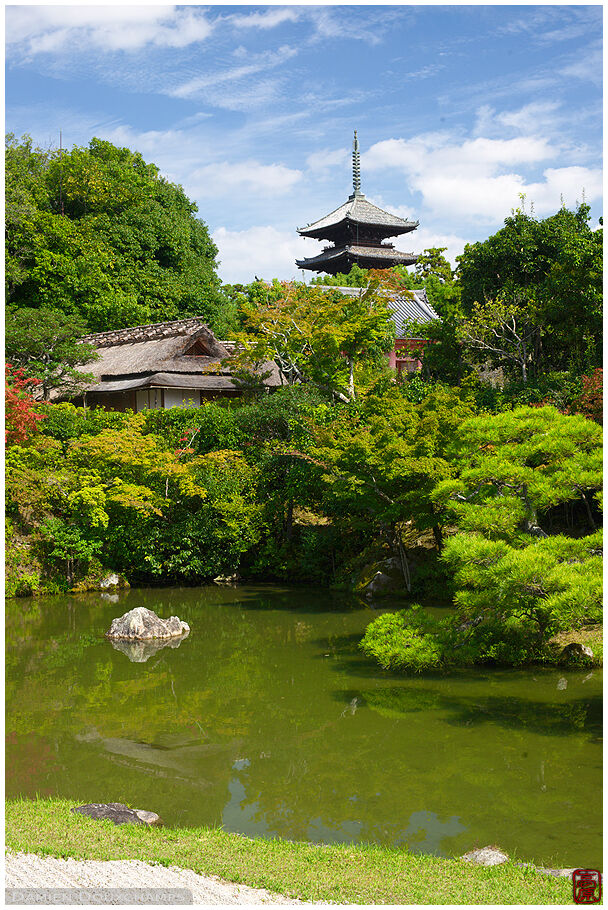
(357, 229)
(341, 258)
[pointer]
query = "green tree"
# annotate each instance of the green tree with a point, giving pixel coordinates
(516, 585)
(382, 462)
(67, 546)
(356, 278)
(46, 344)
(517, 465)
(25, 194)
(551, 585)
(317, 336)
(503, 332)
(432, 262)
(555, 265)
(516, 469)
(96, 232)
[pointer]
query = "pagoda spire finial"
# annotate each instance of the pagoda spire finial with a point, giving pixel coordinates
(356, 167)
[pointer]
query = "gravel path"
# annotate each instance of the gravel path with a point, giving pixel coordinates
(120, 882)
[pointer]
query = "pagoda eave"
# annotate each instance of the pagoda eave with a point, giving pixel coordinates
(353, 225)
(356, 230)
(341, 259)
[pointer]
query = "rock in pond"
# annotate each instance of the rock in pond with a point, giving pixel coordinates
(119, 814)
(486, 856)
(139, 652)
(380, 584)
(226, 579)
(111, 580)
(142, 624)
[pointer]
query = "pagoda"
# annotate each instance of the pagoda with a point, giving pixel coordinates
(356, 230)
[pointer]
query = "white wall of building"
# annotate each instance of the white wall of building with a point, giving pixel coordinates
(182, 398)
(172, 398)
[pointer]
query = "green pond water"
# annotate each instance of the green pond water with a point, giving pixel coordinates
(269, 721)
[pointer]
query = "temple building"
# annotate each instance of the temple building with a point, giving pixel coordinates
(164, 365)
(356, 230)
(407, 307)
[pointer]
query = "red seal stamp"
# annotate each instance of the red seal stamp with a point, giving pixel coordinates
(587, 886)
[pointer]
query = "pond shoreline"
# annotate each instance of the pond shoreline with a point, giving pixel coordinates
(246, 726)
(337, 873)
(588, 635)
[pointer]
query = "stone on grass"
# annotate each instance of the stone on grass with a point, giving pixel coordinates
(142, 624)
(486, 856)
(574, 651)
(119, 814)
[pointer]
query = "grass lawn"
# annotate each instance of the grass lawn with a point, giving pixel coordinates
(337, 873)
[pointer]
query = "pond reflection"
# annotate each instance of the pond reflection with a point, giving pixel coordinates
(139, 652)
(268, 720)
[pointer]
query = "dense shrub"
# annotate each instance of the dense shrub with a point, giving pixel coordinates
(407, 640)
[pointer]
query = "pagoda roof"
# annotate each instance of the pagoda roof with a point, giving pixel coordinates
(386, 256)
(406, 306)
(360, 211)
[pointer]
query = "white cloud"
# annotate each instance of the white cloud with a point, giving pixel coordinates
(224, 178)
(326, 159)
(261, 250)
(442, 152)
(319, 101)
(337, 23)
(257, 64)
(270, 18)
(536, 117)
(430, 70)
(481, 178)
(571, 183)
(32, 30)
(553, 23)
(246, 97)
(589, 67)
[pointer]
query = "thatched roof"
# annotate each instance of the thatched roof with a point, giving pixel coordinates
(180, 354)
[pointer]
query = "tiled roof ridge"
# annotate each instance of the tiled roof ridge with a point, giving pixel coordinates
(355, 209)
(407, 304)
(150, 332)
(325, 217)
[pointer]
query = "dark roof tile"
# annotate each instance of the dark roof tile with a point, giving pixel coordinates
(359, 210)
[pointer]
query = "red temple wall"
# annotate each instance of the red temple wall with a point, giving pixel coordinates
(406, 356)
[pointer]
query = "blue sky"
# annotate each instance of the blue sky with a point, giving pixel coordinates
(459, 109)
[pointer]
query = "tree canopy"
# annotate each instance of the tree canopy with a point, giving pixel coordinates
(551, 267)
(315, 335)
(45, 344)
(98, 233)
